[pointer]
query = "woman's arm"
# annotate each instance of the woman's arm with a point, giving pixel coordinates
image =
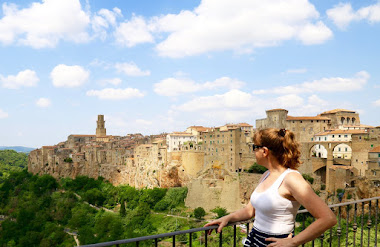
(245, 213)
(304, 194)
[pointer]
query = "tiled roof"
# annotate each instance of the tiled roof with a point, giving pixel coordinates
(341, 167)
(180, 134)
(341, 132)
(290, 118)
(337, 110)
(245, 125)
(375, 150)
(277, 109)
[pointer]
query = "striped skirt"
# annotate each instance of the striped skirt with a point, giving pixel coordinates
(257, 238)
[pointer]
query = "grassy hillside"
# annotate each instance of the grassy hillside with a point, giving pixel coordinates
(10, 161)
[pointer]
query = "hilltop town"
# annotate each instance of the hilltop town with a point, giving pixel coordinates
(337, 151)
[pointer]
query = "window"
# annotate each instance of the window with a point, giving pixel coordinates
(312, 139)
(325, 138)
(345, 136)
(333, 136)
(300, 121)
(379, 155)
(311, 120)
(339, 136)
(371, 145)
(345, 149)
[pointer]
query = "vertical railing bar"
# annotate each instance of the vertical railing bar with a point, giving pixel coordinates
(173, 240)
(155, 242)
(339, 230)
(331, 232)
(137, 244)
(303, 224)
(190, 239)
(355, 226)
(347, 219)
(362, 224)
(377, 208)
(205, 238)
(220, 239)
(234, 235)
(369, 224)
(248, 229)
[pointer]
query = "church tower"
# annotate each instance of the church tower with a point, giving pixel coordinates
(100, 130)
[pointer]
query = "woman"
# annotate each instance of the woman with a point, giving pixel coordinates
(280, 192)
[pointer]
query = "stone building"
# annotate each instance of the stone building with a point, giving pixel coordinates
(176, 140)
(228, 147)
(373, 171)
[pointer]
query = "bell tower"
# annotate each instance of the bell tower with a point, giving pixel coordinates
(100, 129)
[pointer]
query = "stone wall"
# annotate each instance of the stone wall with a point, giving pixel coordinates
(231, 191)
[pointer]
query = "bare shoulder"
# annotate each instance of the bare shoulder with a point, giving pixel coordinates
(294, 180)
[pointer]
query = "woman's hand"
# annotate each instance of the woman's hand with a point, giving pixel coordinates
(222, 222)
(281, 242)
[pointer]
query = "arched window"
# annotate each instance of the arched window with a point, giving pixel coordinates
(342, 120)
(348, 120)
(353, 120)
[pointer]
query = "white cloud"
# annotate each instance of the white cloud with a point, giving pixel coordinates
(103, 20)
(69, 76)
(133, 32)
(112, 81)
(177, 86)
(377, 102)
(143, 122)
(343, 14)
(43, 102)
(131, 69)
(44, 24)
(296, 71)
(3, 114)
(232, 99)
(332, 84)
(289, 101)
(116, 94)
(239, 25)
(25, 78)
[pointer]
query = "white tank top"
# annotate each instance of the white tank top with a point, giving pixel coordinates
(274, 214)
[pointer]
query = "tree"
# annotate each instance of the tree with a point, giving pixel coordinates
(220, 212)
(122, 209)
(199, 213)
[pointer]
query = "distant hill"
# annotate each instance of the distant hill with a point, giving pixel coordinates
(17, 148)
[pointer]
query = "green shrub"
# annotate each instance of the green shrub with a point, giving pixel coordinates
(308, 178)
(323, 186)
(256, 168)
(220, 212)
(199, 213)
(68, 160)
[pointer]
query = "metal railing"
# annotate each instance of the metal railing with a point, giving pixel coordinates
(356, 213)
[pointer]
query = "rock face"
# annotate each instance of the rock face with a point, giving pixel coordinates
(366, 189)
(218, 188)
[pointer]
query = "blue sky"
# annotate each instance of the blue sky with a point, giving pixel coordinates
(153, 66)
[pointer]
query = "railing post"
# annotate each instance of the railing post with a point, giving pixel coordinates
(234, 235)
(174, 241)
(190, 240)
(303, 225)
(221, 239)
(369, 223)
(347, 219)
(377, 216)
(355, 226)
(155, 242)
(322, 238)
(362, 225)
(205, 238)
(339, 229)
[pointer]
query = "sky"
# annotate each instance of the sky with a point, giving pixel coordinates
(154, 66)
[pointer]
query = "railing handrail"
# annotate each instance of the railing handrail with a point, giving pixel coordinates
(171, 234)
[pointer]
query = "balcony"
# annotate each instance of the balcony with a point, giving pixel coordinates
(358, 225)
